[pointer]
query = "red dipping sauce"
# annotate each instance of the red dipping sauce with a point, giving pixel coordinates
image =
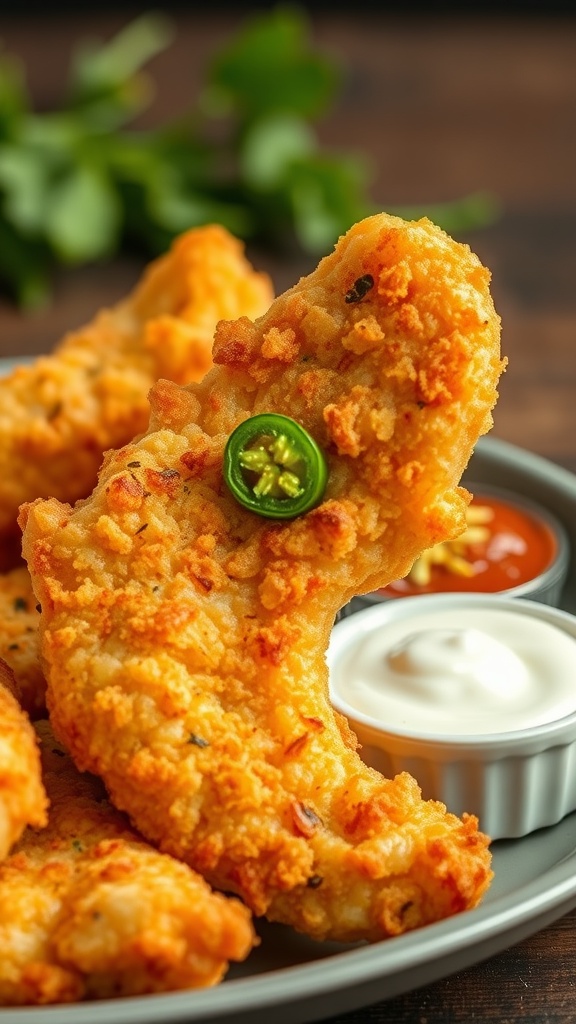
(505, 545)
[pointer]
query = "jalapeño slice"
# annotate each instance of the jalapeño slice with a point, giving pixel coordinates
(273, 467)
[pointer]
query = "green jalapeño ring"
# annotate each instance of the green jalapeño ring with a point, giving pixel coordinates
(274, 468)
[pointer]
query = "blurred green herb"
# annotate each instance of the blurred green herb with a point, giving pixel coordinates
(76, 184)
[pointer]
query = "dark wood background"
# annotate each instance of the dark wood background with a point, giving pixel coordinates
(442, 105)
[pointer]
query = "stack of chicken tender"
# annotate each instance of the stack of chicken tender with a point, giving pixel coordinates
(170, 644)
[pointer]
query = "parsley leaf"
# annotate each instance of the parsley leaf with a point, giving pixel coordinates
(79, 183)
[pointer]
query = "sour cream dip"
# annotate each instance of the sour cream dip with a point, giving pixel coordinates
(456, 671)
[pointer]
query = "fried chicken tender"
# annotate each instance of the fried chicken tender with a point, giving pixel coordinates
(19, 639)
(58, 415)
(185, 637)
(22, 798)
(88, 910)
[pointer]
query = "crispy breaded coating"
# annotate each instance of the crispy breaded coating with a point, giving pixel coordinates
(88, 910)
(22, 797)
(19, 639)
(185, 637)
(58, 415)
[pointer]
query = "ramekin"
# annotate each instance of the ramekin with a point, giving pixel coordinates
(546, 587)
(516, 781)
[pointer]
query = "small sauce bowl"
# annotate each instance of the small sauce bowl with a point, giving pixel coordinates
(512, 546)
(514, 779)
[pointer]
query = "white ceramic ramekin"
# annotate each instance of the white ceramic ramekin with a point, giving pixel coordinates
(514, 781)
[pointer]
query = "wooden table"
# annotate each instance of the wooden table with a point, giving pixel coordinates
(443, 107)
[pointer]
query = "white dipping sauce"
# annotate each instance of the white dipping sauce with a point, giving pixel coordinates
(460, 671)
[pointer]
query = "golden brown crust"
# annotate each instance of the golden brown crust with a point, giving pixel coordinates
(22, 797)
(19, 639)
(186, 637)
(104, 914)
(61, 413)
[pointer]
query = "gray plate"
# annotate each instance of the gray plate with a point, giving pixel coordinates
(295, 979)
